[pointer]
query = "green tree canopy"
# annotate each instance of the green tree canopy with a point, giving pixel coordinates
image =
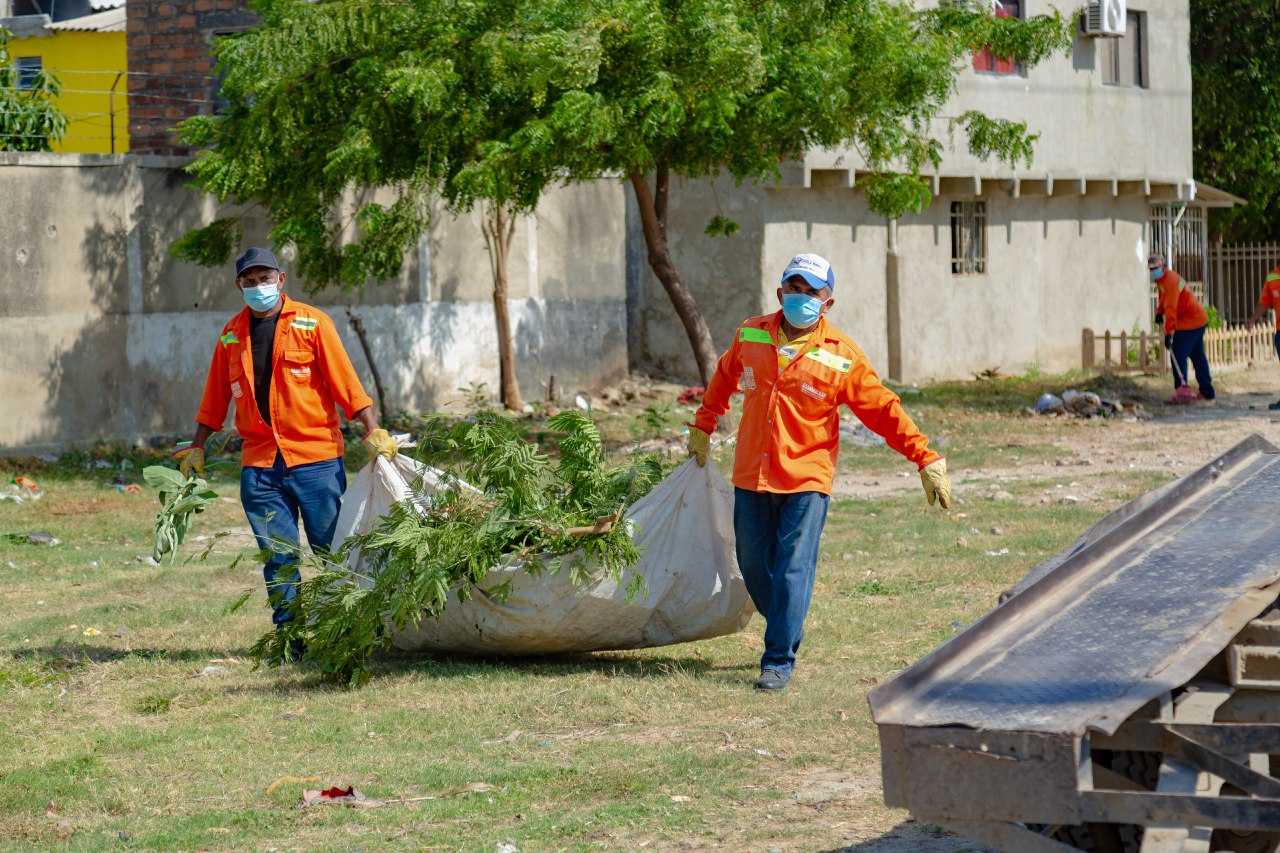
(1235, 109)
(29, 119)
(498, 99)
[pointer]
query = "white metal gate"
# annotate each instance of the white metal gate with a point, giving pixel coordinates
(1236, 274)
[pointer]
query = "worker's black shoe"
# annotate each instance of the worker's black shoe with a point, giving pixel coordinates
(1274, 406)
(297, 648)
(772, 681)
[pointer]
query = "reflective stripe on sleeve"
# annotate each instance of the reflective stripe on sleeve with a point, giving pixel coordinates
(830, 359)
(229, 338)
(755, 336)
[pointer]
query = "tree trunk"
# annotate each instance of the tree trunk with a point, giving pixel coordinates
(499, 227)
(653, 219)
(358, 327)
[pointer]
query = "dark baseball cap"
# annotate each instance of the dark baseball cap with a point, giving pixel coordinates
(256, 257)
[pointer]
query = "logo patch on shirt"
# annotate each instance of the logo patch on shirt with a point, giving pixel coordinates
(806, 388)
(748, 379)
(300, 372)
(236, 390)
(829, 359)
(307, 324)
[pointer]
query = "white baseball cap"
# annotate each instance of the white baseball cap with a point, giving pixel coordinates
(814, 269)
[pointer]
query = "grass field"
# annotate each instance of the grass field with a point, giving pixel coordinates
(119, 737)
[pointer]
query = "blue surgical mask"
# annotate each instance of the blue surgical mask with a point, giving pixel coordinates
(1157, 273)
(801, 310)
(263, 297)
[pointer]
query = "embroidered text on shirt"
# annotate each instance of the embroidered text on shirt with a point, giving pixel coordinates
(813, 392)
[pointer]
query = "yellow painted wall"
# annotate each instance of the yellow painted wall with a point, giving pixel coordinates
(86, 64)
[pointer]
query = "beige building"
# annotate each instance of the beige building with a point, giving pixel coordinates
(1007, 265)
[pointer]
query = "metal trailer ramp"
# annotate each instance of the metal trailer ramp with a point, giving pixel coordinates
(1126, 697)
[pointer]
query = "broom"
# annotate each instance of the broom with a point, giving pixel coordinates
(1182, 394)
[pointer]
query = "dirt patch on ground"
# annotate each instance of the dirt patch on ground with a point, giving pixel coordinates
(1177, 438)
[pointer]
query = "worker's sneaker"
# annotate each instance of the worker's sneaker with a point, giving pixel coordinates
(1274, 406)
(772, 680)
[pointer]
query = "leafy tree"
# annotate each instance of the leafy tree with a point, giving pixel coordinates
(495, 100)
(1234, 104)
(29, 120)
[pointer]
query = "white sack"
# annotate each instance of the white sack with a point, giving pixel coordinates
(685, 535)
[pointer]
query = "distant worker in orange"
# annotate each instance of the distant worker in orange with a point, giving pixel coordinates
(1184, 321)
(795, 371)
(283, 364)
(1270, 298)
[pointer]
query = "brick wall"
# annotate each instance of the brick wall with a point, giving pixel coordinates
(171, 67)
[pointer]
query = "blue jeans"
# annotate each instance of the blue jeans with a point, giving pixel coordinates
(273, 498)
(1190, 342)
(777, 540)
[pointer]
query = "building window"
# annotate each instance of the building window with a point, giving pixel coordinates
(983, 61)
(28, 70)
(1124, 59)
(968, 237)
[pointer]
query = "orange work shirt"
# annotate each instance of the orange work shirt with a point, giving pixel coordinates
(1181, 309)
(790, 431)
(310, 371)
(1270, 297)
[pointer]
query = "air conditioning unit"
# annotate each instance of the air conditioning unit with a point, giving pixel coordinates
(1104, 18)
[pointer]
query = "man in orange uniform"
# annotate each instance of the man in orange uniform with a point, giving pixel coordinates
(1185, 322)
(1270, 298)
(795, 371)
(284, 366)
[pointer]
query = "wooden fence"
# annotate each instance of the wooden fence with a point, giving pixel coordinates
(1232, 346)
(1125, 352)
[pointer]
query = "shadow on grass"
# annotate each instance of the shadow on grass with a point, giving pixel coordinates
(606, 663)
(304, 677)
(63, 656)
(913, 836)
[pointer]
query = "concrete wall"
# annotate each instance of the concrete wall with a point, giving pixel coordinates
(1055, 265)
(106, 337)
(724, 274)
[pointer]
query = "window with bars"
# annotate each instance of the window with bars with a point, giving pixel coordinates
(1124, 59)
(968, 237)
(983, 60)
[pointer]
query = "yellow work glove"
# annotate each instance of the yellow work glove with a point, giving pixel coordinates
(379, 443)
(699, 444)
(190, 458)
(937, 485)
